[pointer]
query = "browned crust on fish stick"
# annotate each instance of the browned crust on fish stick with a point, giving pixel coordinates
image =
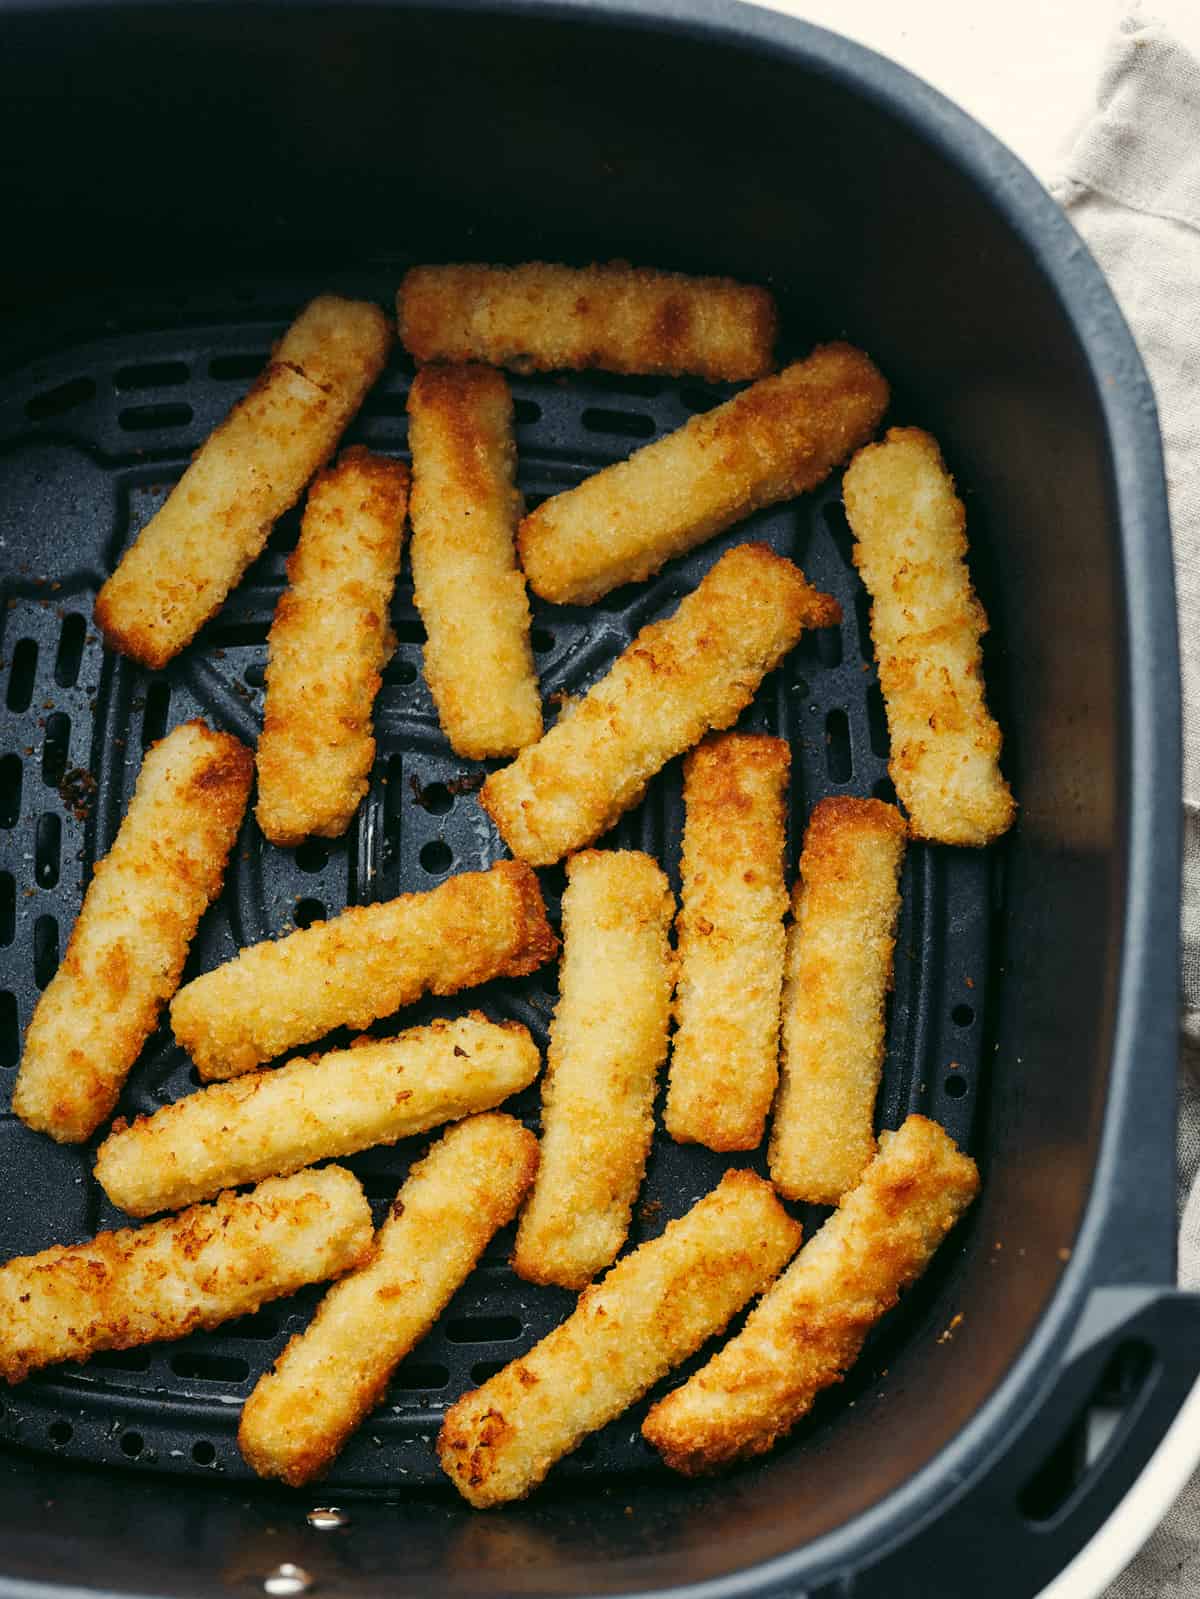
(775, 440)
(926, 622)
(270, 1123)
(607, 1042)
(693, 671)
(332, 1375)
(654, 1309)
(361, 965)
(837, 975)
(809, 1328)
(205, 1266)
(467, 585)
(540, 317)
(251, 469)
(725, 1054)
(130, 940)
(328, 644)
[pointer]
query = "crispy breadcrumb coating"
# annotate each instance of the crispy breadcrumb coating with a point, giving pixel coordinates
(725, 1055)
(332, 1375)
(200, 1268)
(607, 1042)
(809, 1328)
(693, 671)
(130, 940)
(654, 1309)
(838, 972)
(926, 623)
(329, 642)
(775, 440)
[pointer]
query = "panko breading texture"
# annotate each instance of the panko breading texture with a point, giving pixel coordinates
(808, 1329)
(332, 1375)
(838, 972)
(725, 1054)
(696, 670)
(198, 1269)
(328, 644)
(540, 317)
(654, 1309)
(466, 582)
(130, 940)
(926, 623)
(274, 1122)
(775, 440)
(361, 965)
(607, 1042)
(246, 474)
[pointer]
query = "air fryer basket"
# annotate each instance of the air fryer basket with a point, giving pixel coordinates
(1034, 1004)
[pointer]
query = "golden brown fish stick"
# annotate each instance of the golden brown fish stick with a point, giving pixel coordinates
(467, 584)
(926, 623)
(607, 1042)
(837, 975)
(189, 556)
(270, 1123)
(332, 1375)
(654, 1309)
(770, 443)
(131, 938)
(361, 965)
(200, 1268)
(329, 641)
(693, 671)
(725, 1055)
(808, 1329)
(540, 317)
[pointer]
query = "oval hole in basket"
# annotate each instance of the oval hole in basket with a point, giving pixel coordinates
(237, 368)
(57, 402)
(151, 418)
(45, 950)
(200, 1365)
(22, 675)
(150, 375)
(10, 790)
(55, 748)
(8, 907)
(10, 1031)
(436, 857)
(154, 716)
(308, 911)
(132, 1444)
(839, 760)
(70, 650)
(312, 855)
(622, 424)
(484, 1329)
(47, 850)
(418, 1377)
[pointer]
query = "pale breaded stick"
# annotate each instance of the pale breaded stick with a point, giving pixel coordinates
(540, 317)
(809, 1328)
(332, 1375)
(131, 937)
(198, 1269)
(270, 1123)
(466, 581)
(329, 641)
(696, 670)
(837, 974)
(654, 1309)
(188, 557)
(607, 1042)
(361, 965)
(769, 443)
(725, 1055)
(926, 623)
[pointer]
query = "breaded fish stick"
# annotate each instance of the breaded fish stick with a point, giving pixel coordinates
(809, 1328)
(725, 1055)
(654, 1309)
(365, 963)
(693, 671)
(198, 1269)
(772, 442)
(466, 581)
(329, 641)
(332, 1375)
(837, 975)
(926, 623)
(607, 1042)
(187, 558)
(541, 318)
(131, 938)
(274, 1122)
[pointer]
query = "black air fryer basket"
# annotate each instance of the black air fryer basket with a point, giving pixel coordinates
(178, 180)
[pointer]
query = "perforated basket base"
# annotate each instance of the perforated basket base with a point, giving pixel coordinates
(91, 440)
